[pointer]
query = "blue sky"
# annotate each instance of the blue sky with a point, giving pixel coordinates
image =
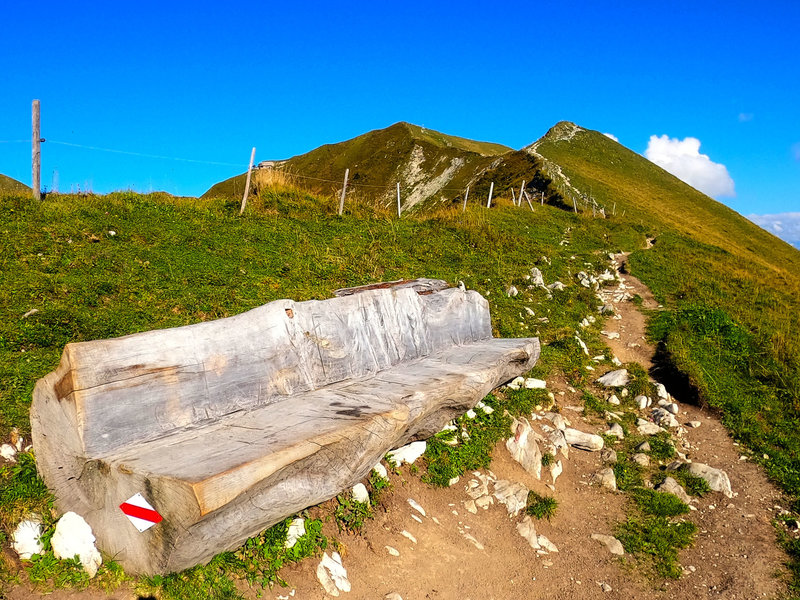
(202, 81)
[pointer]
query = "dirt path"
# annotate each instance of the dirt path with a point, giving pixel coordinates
(735, 555)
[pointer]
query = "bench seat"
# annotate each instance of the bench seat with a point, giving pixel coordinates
(218, 480)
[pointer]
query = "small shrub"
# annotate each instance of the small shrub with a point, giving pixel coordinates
(351, 514)
(659, 504)
(628, 474)
(657, 539)
(661, 447)
(377, 487)
(541, 507)
(548, 459)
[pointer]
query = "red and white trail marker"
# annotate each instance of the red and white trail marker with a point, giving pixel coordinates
(140, 512)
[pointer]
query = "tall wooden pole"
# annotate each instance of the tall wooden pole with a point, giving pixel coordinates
(344, 191)
(489, 201)
(514, 197)
(399, 208)
(247, 182)
(521, 189)
(466, 195)
(36, 153)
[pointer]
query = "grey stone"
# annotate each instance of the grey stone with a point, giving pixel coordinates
(673, 487)
(582, 440)
(616, 431)
(605, 478)
(717, 479)
(641, 459)
(607, 455)
(647, 427)
(613, 544)
(643, 447)
(536, 277)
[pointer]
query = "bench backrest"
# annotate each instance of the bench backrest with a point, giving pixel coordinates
(142, 386)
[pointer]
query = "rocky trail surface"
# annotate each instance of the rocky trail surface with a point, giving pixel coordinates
(472, 540)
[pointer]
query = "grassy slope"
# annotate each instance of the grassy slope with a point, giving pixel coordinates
(12, 186)
(375, 158)
(734, 323)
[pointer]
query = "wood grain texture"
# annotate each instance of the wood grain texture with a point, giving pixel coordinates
(229, 426)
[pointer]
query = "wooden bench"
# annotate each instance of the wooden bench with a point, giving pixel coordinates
(228, 426)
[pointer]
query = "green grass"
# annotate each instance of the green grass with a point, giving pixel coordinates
(350, 514)
(541, 507)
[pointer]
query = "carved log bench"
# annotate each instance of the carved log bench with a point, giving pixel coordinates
(228, 426)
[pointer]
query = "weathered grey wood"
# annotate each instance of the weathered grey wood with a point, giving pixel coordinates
(344, 191)
(521, 191)
(229, 426)
(247, 181)
(399, 207)
(513, 197)
(489, 201)
(421, 285)
(528, 198)
(36, 152)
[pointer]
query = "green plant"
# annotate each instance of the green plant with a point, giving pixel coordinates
(548, 459)
(378, 486)
(657, 539)
(627, 473)
(658, 504)
(661, 446)
(541, 507)
(351, 514)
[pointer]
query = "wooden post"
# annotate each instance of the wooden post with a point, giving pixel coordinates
(514, 197)
(344, 190)
(399, 208)
(542, 198)
(574, 205)
(521, 189)
(528, 198)
(489, 201)
(36, 153)
(615, 209)
(466, 195)
(247, 182)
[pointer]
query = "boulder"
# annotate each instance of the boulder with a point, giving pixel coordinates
(74, 538)
(647, 427)
(360, 493)
(616, 431)
(613, 544)
(524, 449)
(717, 479)
(671, 486)
(582, 440)
(607, 455)
(605, 478)
(616, 378)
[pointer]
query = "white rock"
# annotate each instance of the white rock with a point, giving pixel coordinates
(693, 424)
(641, 459)
(535, 384)
(661, 391)
(612, 335)
(616, 362)
(643, 447)
(613, 544)
(671, 486)
(332, 574)
(536, 277)
(513, 495)
(556, 469)
(717, 479)
(415, 505)
(559, 442)
(616, 431)
(73, 537)
(8, 452)
(523, 447)
(664, 418)
(512, 291)
(614, 400)
(360, 493)
(392, 551)
(527, 530)
(616, 378)
(647, 427)
(25, 539)
(408, 535)
(672, 407)
(605, 478)
(471, 414)
(381, 471)
(529, 310)
(557, 420)
(556, 286)
(607, 455)
(471, 506)
(454, 481)
(407, 454)
(297, 529)
(583, 441)
(484, 502)
(392, 596)
(642, 402)
(582, 345)
(546, 544)
(516, 383)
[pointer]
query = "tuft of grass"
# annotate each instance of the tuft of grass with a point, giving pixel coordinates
(541, 507)
(658, 504)
(656, 540)
(661, 446)
(627, 472)
(548, 459)
(639, 383)
(377, 486)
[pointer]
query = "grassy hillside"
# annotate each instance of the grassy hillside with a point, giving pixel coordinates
(428, 164)
(732, 329)
(12, 186)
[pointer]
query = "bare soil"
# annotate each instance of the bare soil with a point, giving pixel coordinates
(735, 555)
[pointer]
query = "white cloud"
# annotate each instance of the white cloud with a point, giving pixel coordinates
(682, 158)
(745, 117)
(784, 225)
(612, 136)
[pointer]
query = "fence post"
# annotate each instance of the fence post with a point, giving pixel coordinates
(489, 201)
(528, 198)
(514, 197)
(36, 152)
(466, 195)
(344, 189)
(521, 189)
(247, 183)
(399, 209)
